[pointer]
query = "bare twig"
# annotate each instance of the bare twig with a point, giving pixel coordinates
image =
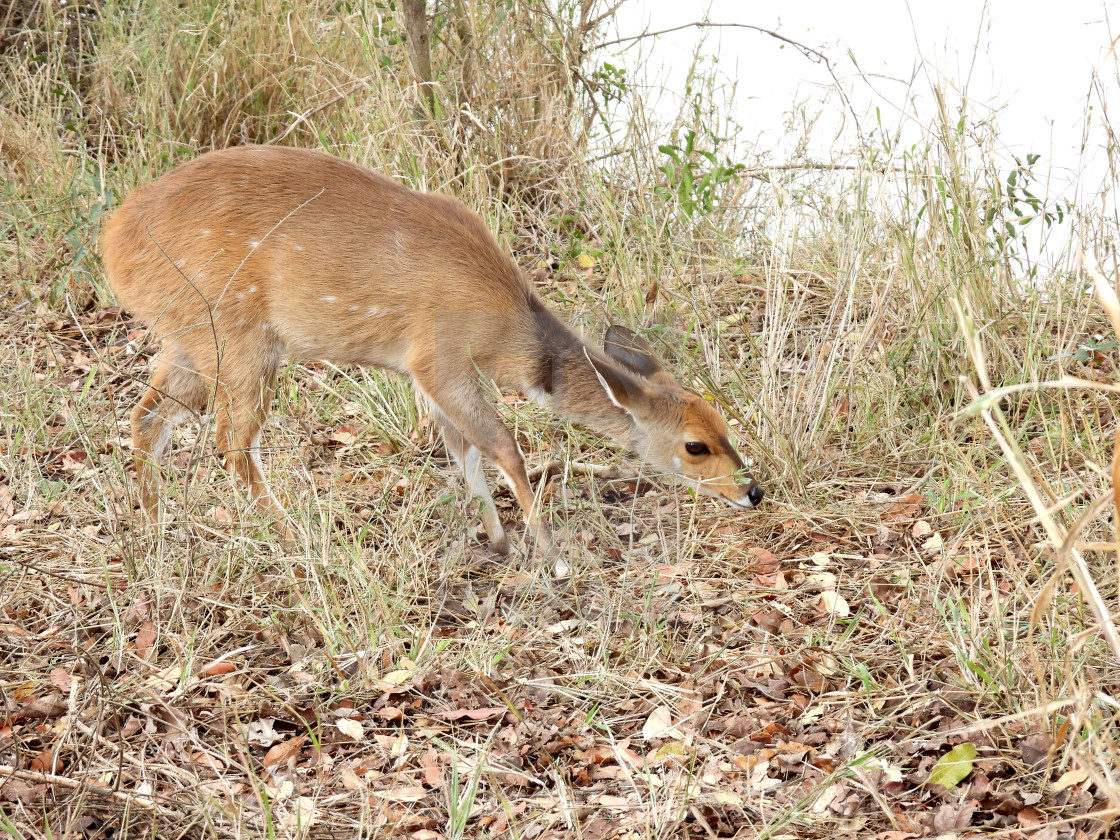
(300, 118)
(605, 472)
(135, 800)
(761, 171)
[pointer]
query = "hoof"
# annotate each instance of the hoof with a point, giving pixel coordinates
(558, 560)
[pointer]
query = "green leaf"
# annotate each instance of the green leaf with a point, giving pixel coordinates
(952, 767)
(671, 151)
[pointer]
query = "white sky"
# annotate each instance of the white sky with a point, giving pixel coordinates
(1032, 58)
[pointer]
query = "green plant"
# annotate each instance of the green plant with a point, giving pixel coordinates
(695, 176)
(1012, 207)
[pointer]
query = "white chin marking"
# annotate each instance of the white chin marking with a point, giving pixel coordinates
(739, 504)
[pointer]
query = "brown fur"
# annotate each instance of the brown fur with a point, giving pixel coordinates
(245, 256)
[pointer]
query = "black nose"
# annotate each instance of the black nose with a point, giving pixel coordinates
(755, 494)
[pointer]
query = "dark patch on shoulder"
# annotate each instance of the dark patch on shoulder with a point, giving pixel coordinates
(543, 376)
(555, 342)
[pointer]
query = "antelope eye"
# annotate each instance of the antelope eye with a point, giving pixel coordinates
(695, 447)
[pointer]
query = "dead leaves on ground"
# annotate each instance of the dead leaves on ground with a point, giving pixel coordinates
(748, 727)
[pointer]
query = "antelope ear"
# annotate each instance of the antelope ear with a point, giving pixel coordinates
(628, 348)
(624, 390)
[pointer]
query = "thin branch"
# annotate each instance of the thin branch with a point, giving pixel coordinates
(704, 24)
(605, 472)
(996, 422)
(807, 51)
(300, 118)
(145, 803)
(590, 25)
(760, 171)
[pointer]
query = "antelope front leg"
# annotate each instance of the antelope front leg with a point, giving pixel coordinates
(512, 466)
(469, 460)
(480, 428)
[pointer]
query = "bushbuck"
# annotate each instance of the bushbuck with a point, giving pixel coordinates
(246, 256)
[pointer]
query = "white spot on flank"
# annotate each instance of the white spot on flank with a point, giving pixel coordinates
(373, 310)
(253, 243)
(298, 247)
(241, 320)
(252, 289)
(205, 231)
(180, 263)
(328, 299)
(352, 309)
(240, 295)
(229, 232)
(265, 327)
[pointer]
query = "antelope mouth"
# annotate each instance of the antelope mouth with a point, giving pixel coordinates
(749, 498)
(743, 504)
(736, 494)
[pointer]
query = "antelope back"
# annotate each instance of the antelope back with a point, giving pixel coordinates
(253, 247)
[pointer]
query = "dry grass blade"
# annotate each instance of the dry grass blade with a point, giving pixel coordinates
(1106, 293)
(997, 425)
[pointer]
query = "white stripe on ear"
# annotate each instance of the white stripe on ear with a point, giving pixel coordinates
(603, 382)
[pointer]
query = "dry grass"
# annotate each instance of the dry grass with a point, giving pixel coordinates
(901, 592)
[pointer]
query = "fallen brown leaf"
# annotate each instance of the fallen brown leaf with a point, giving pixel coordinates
(145, 640)
(219, 668)
(61, 679)
(472, 714)
(406, 793)
(433, 773)
(659, 722)
(1031, 818)
(283, 751)
(47, 762)
(43, 707)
